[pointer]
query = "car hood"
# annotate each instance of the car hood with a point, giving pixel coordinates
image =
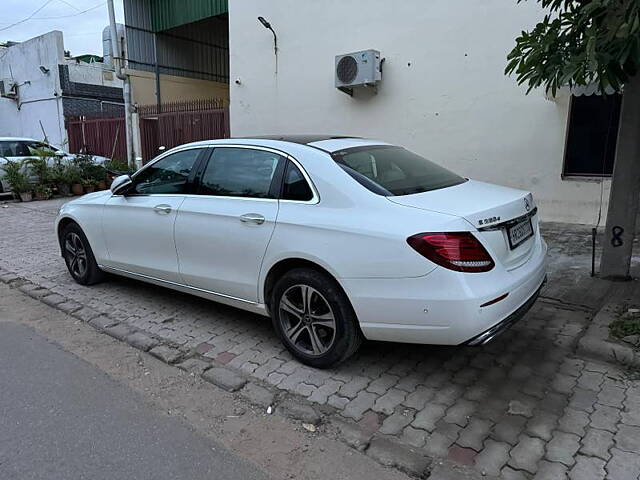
(90, 197)
(481, 204)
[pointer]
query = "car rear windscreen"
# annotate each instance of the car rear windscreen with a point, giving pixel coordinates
(389, 170)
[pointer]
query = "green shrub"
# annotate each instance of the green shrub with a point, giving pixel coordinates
(117, 167)
(625, 326)
(39, 166)
(15, 176)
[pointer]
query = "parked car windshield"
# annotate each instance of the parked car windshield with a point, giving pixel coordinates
(391, 171)
(22, 148)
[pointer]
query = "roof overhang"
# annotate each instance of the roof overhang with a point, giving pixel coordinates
(167, 14)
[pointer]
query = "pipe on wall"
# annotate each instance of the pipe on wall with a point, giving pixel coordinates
(118, 63)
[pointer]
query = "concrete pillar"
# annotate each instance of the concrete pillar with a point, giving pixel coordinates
(625, 188)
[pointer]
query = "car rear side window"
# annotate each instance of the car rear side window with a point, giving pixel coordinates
(240, 172)
(296, 186)
(168, 175)
(390, 170)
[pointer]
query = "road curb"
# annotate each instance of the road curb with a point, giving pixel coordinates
(596, 343)
(386, 451)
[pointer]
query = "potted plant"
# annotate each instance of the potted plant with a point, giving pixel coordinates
(58, 178)
(74, 178)
(64, 189)
(17, 180)
(42, 192)
(89, 185)
(97, 174)
(39, 167)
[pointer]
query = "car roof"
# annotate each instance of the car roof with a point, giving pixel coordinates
(304, 139)
(17, 139)
(328, 143)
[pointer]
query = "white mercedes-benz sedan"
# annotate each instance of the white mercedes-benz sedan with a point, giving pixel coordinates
(335, 238)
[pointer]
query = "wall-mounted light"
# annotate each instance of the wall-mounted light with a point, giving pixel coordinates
(268, 26)
(44, 70)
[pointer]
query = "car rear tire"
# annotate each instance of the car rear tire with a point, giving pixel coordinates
(78, 256)
(314, 318)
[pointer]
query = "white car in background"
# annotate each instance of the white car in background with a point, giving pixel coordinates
(337, 239)
(18, 149)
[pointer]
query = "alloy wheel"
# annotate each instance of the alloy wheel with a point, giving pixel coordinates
(76, 254)
(307, 320)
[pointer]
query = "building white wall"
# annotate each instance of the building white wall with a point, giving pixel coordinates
(93, 74)
(443, 94)
(40, 99)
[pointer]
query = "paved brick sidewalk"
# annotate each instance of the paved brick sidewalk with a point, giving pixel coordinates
(522, 407)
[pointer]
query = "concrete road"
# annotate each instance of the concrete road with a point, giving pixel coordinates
(62, 418)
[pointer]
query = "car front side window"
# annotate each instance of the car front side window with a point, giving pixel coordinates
(168, 175)
(240, 172)
(14, 149)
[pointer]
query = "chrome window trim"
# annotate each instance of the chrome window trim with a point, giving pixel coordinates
(155, 160)
(316, 196)
(313, 201)
(166, 154)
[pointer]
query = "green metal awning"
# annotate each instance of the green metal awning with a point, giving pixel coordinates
(166, 14)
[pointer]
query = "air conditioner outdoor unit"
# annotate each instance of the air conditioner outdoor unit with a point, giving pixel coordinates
(358, 69)
(8, 89)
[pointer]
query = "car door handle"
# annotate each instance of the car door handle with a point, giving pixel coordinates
(162, 209)
(252, 218)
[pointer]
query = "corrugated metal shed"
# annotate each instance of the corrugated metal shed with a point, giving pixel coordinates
(199, 49)
(166, 14)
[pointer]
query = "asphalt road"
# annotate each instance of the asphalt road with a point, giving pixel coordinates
(61, 418)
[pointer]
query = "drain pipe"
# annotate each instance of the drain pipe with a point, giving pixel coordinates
(118, 64)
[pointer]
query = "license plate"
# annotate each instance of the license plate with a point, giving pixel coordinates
(519, 233)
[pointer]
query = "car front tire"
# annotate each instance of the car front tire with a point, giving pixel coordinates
(78, 256)
(314, 318)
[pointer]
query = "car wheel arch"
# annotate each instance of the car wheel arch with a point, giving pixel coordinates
(62, 224)
(280, 268)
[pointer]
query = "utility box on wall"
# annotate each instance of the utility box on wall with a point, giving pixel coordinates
(8, 89)
(357, 70)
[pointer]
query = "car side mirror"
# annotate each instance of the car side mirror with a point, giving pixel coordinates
(121, 185)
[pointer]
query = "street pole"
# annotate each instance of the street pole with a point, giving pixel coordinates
(118, 63)
(625, 188)
(157, 73)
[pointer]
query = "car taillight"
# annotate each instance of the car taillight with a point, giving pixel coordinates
(459, 251)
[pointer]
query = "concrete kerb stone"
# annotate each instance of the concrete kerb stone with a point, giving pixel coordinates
(595, 342)
(393, 454)
(119, 331)
(294, 407)
(258, 395)
(34, 290)
(384, 450)
(194, 366)
(11, 279)
(100, 322)
(166, 354)
(222, 377)
(141, 341)
(352, 434)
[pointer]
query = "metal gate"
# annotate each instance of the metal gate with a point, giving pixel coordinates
(180, 123)
(97, 136)
(176, 124)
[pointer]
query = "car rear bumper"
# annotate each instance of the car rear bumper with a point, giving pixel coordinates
(491, 333)
(446, 307)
